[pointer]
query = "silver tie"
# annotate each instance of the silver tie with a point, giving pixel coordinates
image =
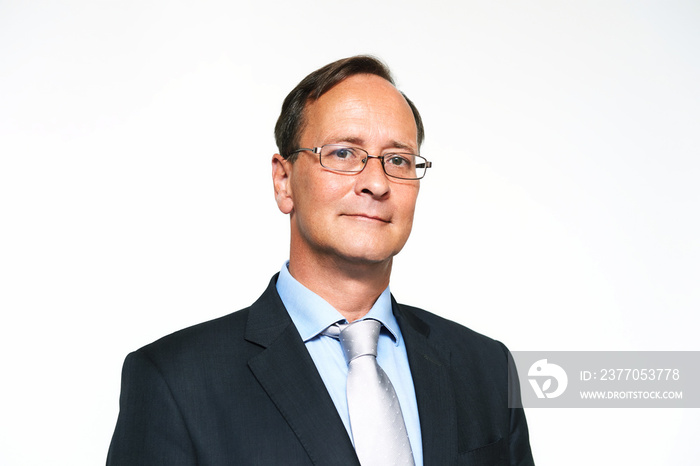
(376, 421)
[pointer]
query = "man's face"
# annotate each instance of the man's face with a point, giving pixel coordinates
(365, 217)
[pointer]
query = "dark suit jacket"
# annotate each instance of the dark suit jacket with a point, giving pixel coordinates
(243, 390)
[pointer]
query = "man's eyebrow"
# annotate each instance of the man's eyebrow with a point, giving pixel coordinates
(359, 142)
(351, 140)
(402, 146)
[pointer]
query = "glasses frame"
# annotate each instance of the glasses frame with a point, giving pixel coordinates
(317, 150)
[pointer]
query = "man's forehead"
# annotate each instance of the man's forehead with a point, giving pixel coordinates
(362, 110)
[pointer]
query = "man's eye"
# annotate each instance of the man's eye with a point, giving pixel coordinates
(343, 153)
(398, 160)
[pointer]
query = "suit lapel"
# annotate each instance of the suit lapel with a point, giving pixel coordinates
(288, 375)
(434, 390)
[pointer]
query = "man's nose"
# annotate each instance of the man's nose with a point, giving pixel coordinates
(372, 179)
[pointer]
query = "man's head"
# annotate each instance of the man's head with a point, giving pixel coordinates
(343, 218)
(293, 118)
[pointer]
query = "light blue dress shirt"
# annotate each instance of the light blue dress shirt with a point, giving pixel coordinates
(311, 315)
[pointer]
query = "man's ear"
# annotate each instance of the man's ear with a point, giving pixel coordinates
(281, 180)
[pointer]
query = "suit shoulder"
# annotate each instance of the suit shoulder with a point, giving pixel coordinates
(211, 336)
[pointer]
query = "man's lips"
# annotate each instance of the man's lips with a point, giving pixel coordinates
(368, 217)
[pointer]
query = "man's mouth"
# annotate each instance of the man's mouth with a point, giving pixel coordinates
(369, 217)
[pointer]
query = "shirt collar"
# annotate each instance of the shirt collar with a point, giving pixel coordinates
(312, 314)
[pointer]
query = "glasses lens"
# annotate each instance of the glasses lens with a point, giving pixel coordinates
(406, 166)
(342, 158)
(348, 159)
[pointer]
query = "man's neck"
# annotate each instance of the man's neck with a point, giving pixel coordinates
(351, 288)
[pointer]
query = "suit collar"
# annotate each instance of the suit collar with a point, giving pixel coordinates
(433, 386)
(288, 375)
(268, 318)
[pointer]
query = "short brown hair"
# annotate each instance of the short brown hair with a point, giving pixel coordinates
(291, 120)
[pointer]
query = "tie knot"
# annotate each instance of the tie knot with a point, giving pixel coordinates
(359, 338)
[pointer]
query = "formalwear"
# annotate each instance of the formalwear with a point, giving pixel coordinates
(243, 390)
(312, 316)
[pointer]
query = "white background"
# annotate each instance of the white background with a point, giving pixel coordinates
(135, 193)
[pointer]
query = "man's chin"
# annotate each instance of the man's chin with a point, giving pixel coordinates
(366, 257)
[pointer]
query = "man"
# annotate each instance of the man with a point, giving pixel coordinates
(267, 385)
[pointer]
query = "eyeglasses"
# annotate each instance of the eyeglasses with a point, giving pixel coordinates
(347, 159)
